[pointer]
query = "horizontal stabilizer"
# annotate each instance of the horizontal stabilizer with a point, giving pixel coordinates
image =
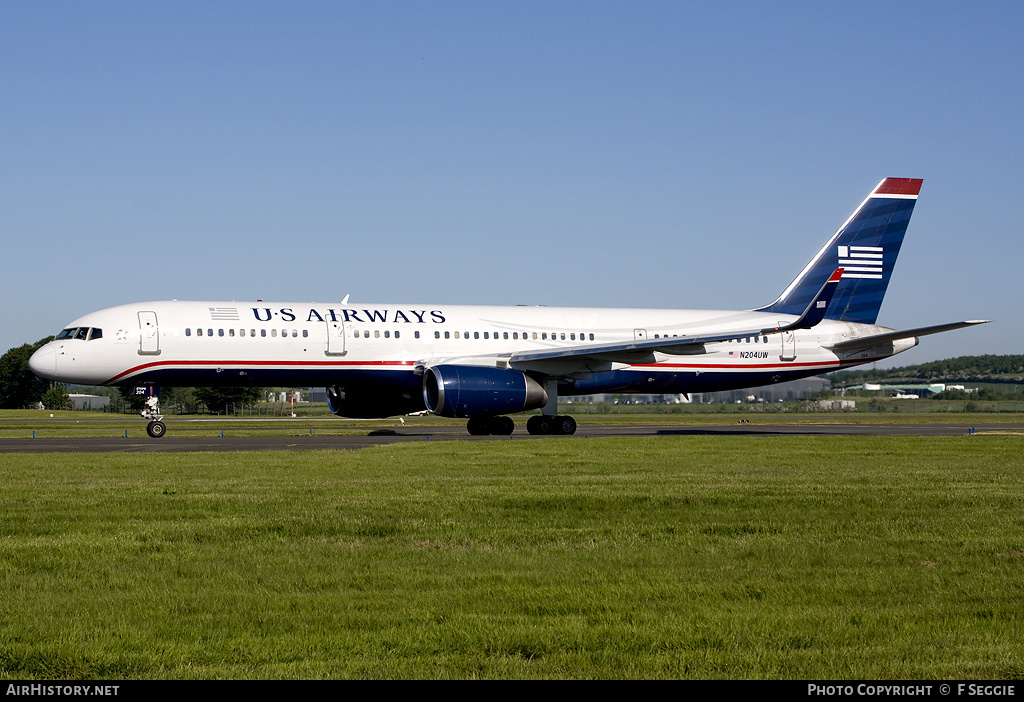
(867, 341)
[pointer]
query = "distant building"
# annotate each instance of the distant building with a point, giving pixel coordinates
(910, 390)
(837, 404)
(89, 402)
(792, 390)
(318, 394)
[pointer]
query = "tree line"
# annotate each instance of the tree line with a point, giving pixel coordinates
(979, 369)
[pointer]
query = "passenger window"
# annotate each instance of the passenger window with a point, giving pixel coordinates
(263, 332)
(220, 332)
(305, 333)
(376, 333)
(252, 332)
(199, 332)
(241, 332)
(591, 336)
(515, 335)
(396, 334)
(188, 332)
(273, 333)
(416, 334)
(437, 335)
(366, 333)
(448, 335)
(231, 332)
(476, 335)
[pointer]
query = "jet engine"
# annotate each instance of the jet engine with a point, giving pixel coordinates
(371, 403)
(473, 391)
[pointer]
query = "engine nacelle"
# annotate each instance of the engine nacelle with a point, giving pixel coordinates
(473, 391)
(361, 403)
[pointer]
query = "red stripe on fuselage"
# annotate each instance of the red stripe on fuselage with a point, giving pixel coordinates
(792, 365)
(251, 364)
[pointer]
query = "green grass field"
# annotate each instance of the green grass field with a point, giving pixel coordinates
(673, 557)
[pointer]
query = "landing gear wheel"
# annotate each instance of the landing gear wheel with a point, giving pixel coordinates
(501, 426)
(564, 425)
(478, 426)
(540, 425)
(156, 429)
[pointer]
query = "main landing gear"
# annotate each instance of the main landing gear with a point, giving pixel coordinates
(543, 424)
(498, 426)
(547, 423)
(504, 426)
(550, 422)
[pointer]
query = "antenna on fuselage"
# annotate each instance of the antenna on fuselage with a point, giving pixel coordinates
(345, 301)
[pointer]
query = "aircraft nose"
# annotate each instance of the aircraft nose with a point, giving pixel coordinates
(44, 362)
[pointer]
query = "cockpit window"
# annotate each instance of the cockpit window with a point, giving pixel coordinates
(82, 333)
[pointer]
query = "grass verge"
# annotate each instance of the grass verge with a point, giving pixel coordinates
(674, 557)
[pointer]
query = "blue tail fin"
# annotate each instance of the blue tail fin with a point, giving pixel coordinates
(866, 246)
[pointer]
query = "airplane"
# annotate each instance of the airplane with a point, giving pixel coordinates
(484, 363)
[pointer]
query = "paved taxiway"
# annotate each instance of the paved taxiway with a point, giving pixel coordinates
(171, 443)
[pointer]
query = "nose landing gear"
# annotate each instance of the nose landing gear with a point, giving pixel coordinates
(151, 411)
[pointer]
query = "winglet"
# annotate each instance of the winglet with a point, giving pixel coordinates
(815, 311)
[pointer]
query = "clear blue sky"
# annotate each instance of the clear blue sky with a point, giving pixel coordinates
(638, 154)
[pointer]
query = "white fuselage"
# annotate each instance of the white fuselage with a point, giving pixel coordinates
(255, 343)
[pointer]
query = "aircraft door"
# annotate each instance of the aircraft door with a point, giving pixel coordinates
(149, 334)
(788, 345)
(639, 335)
(335, 338)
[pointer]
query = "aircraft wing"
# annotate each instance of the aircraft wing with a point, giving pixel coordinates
(867, 341)
(563, 361)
